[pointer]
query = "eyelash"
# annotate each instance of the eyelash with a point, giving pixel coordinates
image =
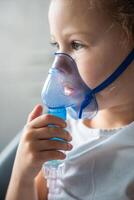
(74, 45)
(54, 44)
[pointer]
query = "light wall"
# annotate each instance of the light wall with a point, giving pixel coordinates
(24, 61)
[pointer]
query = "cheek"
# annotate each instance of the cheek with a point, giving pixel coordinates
(92, 70)
(89, 76)
(98, 64)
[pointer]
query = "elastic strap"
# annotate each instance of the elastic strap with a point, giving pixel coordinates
(124, 65)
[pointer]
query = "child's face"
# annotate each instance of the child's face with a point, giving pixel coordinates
(91, 38)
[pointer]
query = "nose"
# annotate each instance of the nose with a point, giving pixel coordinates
(64, 63)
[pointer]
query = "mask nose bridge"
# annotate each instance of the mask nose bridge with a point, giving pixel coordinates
(64, 63)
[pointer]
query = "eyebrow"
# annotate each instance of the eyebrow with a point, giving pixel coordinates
(78, 33)
(74, 33)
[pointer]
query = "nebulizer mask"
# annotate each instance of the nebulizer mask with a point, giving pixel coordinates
(65, 92)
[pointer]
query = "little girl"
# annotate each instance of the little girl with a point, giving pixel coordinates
(99, 35)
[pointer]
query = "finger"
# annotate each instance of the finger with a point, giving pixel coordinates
(45, 145)
(37, 111)
(51, 155)
(51, 132)
(45, 120)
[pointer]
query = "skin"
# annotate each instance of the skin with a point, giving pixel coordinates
(95, 43)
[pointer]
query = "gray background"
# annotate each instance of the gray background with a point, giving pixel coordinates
(25, 57)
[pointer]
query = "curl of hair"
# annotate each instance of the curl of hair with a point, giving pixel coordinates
(122, 12)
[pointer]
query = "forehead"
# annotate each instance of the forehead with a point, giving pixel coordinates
(70, 9)
(76, 14)
(74, 5)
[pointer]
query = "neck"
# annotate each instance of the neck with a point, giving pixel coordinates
(112, 118)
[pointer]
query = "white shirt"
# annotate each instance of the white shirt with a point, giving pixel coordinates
(100, 166)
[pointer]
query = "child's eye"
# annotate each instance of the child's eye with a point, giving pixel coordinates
(76, 45)
(55, 44)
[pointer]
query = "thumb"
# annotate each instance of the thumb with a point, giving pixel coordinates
(37, 111)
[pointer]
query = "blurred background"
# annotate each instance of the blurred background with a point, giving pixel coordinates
(25, 56)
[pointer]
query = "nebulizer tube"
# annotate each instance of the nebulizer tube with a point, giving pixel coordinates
(52, 171)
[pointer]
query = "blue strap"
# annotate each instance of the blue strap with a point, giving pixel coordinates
(84, 104)
(108, 81)
(115, 74)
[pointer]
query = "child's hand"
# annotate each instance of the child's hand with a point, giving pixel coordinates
(35, 146)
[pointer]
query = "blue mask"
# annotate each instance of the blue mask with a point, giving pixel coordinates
(65, 89)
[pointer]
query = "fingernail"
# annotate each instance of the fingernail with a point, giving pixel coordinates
(70, 137)
(64, 125)
(70, 146)
(63, 156)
